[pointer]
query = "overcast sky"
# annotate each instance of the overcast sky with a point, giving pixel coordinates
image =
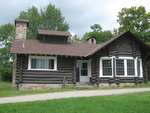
(80, 14)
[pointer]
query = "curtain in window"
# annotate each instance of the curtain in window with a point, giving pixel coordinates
(42, 63)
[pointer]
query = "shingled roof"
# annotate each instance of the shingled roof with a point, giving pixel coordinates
(38, 47)
(69, 49)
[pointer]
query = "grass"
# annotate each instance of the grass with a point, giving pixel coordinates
(7, 91)
(127, 103)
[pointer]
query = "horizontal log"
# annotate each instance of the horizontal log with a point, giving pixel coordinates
(45, 82)
(47, 79)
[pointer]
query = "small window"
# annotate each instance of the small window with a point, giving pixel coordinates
(130, 67)
(107, 67)
(120, 67)
(84, 70)
(42, 63)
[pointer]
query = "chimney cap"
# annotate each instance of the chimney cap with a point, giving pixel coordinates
(22, 21)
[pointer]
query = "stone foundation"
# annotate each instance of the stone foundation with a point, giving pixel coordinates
(40, 86)
(58, 86)
(116, 85)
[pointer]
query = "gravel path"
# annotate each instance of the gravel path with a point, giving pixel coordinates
(59, 95)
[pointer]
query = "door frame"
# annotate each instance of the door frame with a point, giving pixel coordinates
(78, 62)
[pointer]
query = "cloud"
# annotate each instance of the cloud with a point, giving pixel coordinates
(80, 14)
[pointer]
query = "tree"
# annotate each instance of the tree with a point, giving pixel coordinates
(101, 36)
(96, 27)
(7, 33)
(137, 20)
(49, 18)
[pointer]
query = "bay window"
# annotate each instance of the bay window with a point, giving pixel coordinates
(120, 67)
(42, 63)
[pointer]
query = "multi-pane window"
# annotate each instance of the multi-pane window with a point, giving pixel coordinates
(130, 67)
(120, 67)
(107, 67)
(42, 63)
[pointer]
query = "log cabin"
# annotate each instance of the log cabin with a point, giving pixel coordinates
(50, 60)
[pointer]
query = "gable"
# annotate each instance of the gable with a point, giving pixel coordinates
(125, 46)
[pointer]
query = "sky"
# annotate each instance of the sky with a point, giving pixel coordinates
(80, 14)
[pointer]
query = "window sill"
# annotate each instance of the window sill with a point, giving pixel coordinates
(42, 69)
(107, 76)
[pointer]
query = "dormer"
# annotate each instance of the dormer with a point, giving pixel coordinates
(53, 36)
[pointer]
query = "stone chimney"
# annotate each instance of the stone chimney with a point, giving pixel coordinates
(21, 28)
(92, 40)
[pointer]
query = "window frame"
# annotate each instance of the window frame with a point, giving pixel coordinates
(42, 57)
(123, 70)
(141, 68)
(101, 68)
(125, 66)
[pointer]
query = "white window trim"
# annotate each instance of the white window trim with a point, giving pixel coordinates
(101, 68)
(45, 57)
(141, 68)
(125, 66)
(123, 70)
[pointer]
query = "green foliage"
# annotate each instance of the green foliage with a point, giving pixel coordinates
(137, 20)
(96, 27)
(101, 36)
(7, 33)
(49, 18)
(127, 103)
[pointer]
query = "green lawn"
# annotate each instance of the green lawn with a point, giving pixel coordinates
(128, 103)
(6, 89)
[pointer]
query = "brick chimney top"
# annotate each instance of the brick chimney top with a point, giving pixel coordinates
(22, 21)
(92, 40)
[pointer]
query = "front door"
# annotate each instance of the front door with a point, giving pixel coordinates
(84, 70)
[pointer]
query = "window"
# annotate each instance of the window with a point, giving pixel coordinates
(120, 67)
(130, 68)
(84, 71)
(42, 63)
(107, 67)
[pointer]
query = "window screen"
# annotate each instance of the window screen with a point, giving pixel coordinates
(130, 67)
(120, 67)
(107, 67)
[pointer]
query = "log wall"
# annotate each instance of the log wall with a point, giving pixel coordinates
(64, 69)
